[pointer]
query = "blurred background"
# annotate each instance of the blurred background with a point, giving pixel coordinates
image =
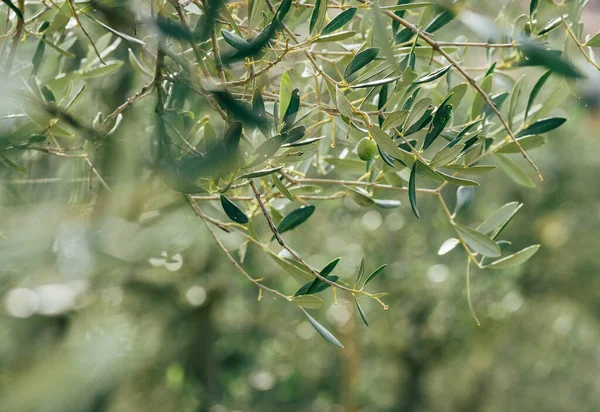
(108, 305)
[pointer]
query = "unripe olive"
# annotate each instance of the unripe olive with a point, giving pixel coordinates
(366, 148)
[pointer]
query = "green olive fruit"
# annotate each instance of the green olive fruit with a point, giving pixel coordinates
(366, 148)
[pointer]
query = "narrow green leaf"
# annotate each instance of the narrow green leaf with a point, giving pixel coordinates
(374, 83)
(457, 93)
(324, 272)
(542, 126)
(515, 259)
(594, 41)
(14, 8)
(394, 119)
(325, 334)
(514, 99)
(440, 120)
(308, 301)
(295, 218)
(299, 273)
(407, 6)
(385, 142)
(292, 110)
(534, 92)
(513, 171)
(412, 190)
(285, 93)
(478, 101)
(304, 142)
(343, 104)
(375, 273)
(477, 241)
(319, 288)
(360, 196)
(551, 25)
(234, 40)
(387, 203)
(266, 150)
(318, 16)
(457, 180)
(532, 7)
(339, 21)
(360, 60)
(260, 173)
(360, 272)
(433, 75)
(539, 56)
(117, 33)
(471, 170)
(282, 189)
(417, 111)
(527, 143)
(233, 211)
(494, 224)
(440, 21)
(446, 155)
(343, 35)
(362, 313)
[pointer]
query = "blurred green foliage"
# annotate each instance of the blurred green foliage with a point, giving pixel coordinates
(116, 298)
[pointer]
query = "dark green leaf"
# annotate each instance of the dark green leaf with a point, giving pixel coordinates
(292, 110)
(360, 60)
(440, 21)
(295, 218)
(534, 92)
(375, 273)
(294, 135)
(542, 126)
(234, 40)
(339, 21)
(324, 272)
(237, 108)
(440, 120)
(233, 211)
(362, 313)
(319, 288)
(532, 7)
(539, 56)
(412, 190)
(14, 8)
(317, 17)
(325, 334)
(433, 75)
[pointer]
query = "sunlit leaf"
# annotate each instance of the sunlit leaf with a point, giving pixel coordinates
(478, 241)
(515, 259)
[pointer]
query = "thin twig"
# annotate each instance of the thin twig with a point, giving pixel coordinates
(76, 17)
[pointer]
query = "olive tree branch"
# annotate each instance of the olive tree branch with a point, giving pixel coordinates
(435, 46)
